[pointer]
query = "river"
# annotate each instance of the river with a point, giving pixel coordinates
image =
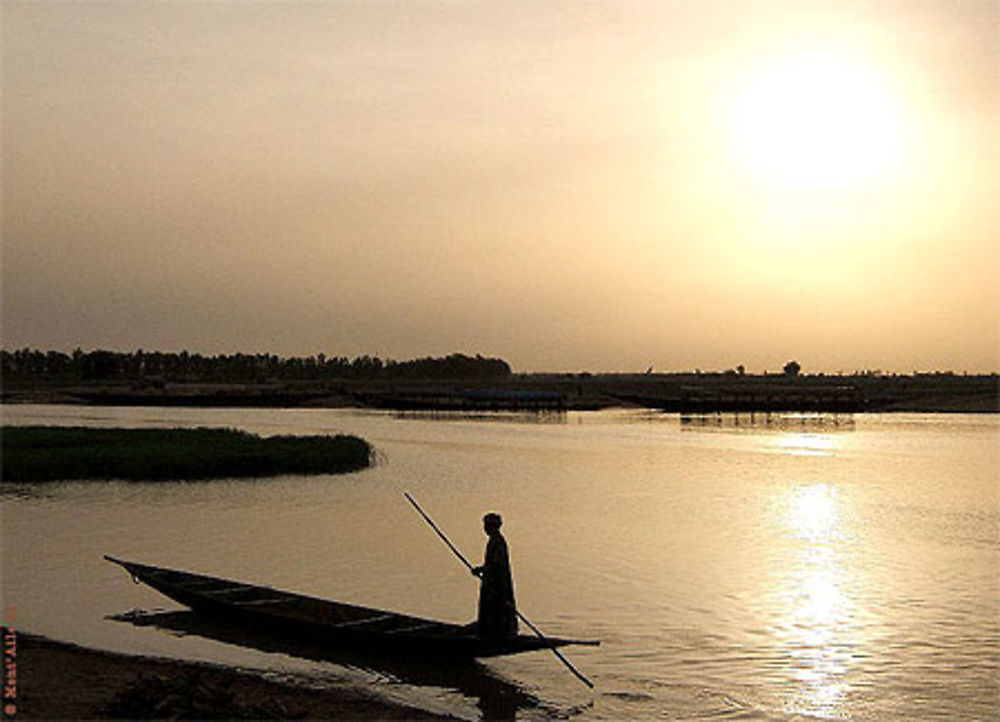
(733, 567)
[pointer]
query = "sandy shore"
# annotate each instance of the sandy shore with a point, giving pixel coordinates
(55, 680)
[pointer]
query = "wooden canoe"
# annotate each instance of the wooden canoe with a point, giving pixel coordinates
(320, 619)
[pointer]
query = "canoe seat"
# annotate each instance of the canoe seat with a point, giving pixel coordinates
(413, 628)
(367, 620)
(235, 589)
(255, 602)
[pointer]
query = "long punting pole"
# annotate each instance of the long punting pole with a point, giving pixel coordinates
(536, 630)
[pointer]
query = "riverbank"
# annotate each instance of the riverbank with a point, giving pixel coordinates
(681, 393)
(56, 680)
(45, 453)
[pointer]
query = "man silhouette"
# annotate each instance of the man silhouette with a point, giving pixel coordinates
(497, 612)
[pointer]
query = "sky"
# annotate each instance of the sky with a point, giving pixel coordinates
(573, 186)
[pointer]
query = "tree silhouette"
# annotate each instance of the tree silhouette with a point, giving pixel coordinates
(157, 366)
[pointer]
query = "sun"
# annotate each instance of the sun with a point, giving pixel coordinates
(816, 121)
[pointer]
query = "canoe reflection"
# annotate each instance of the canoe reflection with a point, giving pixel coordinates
(496, 698)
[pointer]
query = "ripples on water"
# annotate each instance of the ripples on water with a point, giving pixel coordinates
(734, 567)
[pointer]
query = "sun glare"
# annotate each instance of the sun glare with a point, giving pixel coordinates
(812, 512)
(816, 120)
(818, 608)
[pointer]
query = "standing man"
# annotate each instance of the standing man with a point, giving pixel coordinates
(497, 612)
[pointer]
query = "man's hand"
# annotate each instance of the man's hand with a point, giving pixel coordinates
(477, 571)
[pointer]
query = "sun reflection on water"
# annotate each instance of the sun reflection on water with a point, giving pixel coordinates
(806, 444)
(812, 513)
(815, 610)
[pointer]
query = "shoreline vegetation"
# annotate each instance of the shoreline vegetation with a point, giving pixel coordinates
(50, 453)
(466, 384)
(59, 680)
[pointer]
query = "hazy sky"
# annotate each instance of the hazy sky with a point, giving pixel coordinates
(570, 186)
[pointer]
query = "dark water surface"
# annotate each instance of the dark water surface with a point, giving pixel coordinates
(738, 568)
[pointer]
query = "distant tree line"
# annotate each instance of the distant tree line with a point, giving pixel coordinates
(153, 366)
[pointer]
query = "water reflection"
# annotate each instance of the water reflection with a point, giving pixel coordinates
(495, 697)
(509, 417)
(807, 444)
(812, 513)
(763, 421)
(816, 611)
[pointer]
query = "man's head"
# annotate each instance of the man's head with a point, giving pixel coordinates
(492, 523)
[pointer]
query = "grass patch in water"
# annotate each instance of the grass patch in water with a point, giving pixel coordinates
(51, 453)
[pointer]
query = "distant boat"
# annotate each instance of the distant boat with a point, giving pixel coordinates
(320, 619)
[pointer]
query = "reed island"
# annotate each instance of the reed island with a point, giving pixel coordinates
(48, 453)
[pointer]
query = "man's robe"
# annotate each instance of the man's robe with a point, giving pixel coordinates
(497, 613)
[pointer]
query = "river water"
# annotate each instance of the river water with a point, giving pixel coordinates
(733, 567)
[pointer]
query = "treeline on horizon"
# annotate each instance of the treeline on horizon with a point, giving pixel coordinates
(102, 365)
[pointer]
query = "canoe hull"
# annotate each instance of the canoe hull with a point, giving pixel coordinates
(289, 614)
